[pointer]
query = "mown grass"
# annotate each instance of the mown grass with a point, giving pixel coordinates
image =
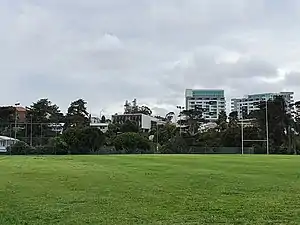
(154, 189)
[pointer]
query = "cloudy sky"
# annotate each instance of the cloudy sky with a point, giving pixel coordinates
(107, 51)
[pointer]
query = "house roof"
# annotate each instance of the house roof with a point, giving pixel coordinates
(5, 138)
(20, 109)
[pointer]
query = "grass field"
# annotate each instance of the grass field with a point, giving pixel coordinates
(181, 189)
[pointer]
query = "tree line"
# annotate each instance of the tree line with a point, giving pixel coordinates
(78, 137)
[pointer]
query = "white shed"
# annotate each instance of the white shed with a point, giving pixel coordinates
(6, 142)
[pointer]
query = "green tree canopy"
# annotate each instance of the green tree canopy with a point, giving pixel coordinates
(132, 143)
(77, 115)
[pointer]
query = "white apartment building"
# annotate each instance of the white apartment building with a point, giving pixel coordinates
(96, 122)
(211, 102)
(250, 103)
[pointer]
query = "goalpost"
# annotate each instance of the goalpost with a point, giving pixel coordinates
(254, 140)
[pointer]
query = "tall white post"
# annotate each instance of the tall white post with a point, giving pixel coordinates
(242, 127)
(267, 127)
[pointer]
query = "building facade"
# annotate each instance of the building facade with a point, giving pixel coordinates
(96, 122)
(250, 103)
(145, 122)
(211, 102)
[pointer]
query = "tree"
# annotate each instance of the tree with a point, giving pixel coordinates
(175, 145)
(103, 119)
(192, 118)
(7, 117)
(83, 140)
(169, 116)
(91, 139)
(129, 126)
(145, 110)
(130, 143)
(59, 146)
(233, 119)
(164, 133)
(222, 121)
(77, 115)
(41, 116)
(278, 122)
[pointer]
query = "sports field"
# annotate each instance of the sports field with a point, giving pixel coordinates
(160, 189)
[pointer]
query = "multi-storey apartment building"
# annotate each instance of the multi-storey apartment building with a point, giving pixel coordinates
(211, 102)
(250, 103)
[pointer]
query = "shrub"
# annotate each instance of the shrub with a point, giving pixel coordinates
(20, 148)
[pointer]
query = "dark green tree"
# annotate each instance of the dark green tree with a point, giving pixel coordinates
(103, 119)
(145, 110)
(176, 145)
(192, 118)
(7, 117)
(278, 123)
(129, 126)
(131, 143)
(164, 133)
(222, 121)
(77, 115)
(169, 117)
(42, 116)
(83, 140)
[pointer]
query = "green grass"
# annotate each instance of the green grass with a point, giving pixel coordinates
(167, 189)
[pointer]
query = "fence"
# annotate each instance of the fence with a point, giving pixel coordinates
(32, 133)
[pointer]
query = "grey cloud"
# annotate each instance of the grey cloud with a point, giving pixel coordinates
(110, 51)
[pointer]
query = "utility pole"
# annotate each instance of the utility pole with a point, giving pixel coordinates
(16, 118)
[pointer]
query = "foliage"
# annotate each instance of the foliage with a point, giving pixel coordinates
(42, 115)
(83, 141)
(103, 119)
(175, 146)
(278, 122)
(164, 133)
(77, 115)
(7, 117)
(134, 108)
(192, 118)
(129, 126)
(222, 121)
(59, 146)
(131, 142)
(169, 117)
(20, 148)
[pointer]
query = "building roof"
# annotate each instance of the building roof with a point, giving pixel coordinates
(5, 138)
(20, 109)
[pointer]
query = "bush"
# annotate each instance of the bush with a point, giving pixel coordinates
(20, 148)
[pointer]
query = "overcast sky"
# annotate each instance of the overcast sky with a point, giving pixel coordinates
(107, 51)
